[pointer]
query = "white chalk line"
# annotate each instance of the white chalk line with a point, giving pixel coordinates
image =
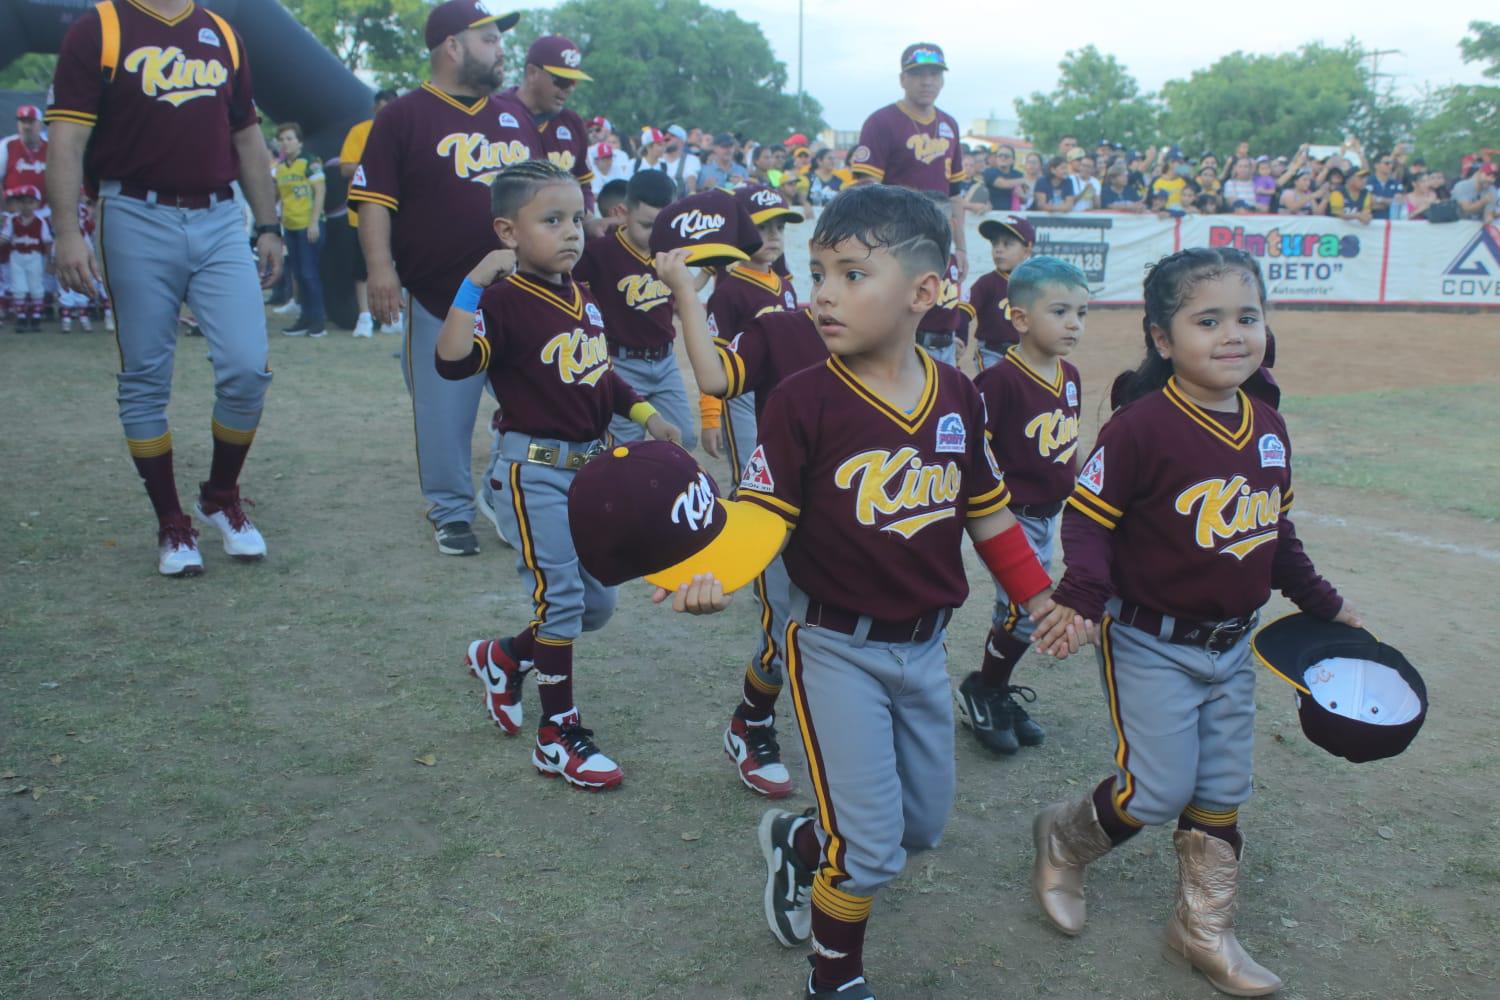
(1409, 537)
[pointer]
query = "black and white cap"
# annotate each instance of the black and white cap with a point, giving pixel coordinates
(1357, 698)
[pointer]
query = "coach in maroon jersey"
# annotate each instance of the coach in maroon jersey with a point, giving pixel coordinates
(913, 143)
(424, 220)
(536, 112)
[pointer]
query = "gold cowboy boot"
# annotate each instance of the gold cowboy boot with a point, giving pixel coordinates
(1201, 931)
(1068, 837)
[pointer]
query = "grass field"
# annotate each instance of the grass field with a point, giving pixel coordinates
(275, 780)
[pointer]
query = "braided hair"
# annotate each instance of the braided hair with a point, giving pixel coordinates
(515, 185)
(1168, 284)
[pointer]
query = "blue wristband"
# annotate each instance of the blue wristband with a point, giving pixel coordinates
(468, 295)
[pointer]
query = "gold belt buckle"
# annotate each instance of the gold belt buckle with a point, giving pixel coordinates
(541, 454)
(579, 459)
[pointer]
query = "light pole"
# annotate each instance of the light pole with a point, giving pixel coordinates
(801, 108)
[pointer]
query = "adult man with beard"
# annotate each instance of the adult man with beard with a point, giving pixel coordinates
(424, 220)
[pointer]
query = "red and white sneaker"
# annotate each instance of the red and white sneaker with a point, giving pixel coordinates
(757, 755)
(567, 750)
(492, 661)
(226, 512)
(177, 548)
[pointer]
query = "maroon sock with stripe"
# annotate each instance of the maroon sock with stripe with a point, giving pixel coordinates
(1224, 825)
(757, 704)
(1001, 653)
(554, 677)
(524, 644)
(230, 448)
(838, 944)
(805, 843)
(1118, 828)
(153, 460)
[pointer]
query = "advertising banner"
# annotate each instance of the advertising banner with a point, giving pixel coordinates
(1451, 264)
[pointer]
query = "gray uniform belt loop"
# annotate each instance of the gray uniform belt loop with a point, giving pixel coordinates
(861, 632)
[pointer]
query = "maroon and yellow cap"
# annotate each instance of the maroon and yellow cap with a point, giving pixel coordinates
(648, 509)
(558, 56)
(715, 227)
(994, 223)
(765, 204)
(457, 16)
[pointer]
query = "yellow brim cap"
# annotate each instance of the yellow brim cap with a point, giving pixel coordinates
(790, 215)
(567, 73)
(751, 538)
(707, 254)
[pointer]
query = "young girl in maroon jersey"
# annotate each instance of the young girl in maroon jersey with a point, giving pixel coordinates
(1175, 535)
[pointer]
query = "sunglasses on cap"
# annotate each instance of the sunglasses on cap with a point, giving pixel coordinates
(925, 57)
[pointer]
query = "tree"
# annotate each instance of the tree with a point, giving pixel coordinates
(1464, 119)
(384, 36)
(1095, 98)
(1276, 102)
(32, 71)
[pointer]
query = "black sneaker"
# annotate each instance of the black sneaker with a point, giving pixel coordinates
(986, 710)
(456, 538)
(854, 989)
(1028, 733)
(788, 895)
(302, 329)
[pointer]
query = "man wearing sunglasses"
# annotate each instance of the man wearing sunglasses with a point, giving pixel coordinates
(536, 112)
(1385, 186)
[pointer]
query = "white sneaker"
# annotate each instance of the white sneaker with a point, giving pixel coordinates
(109, 320)
(486, 508)
(241, 539)
(67, 323)
(177, 548)
(288, 306)
(364, 326)
(397, 325)
(86, 323)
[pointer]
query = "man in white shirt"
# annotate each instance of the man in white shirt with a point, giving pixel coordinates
(683, 167)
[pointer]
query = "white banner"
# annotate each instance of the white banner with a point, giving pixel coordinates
(1305, 259)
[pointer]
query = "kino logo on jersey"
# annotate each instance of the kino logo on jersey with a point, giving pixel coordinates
(168, 75)
(643, 291)
(1229, 511)
(580, 358)
(1055, 434)
(926, 148)
(475, 158)
(892, 483)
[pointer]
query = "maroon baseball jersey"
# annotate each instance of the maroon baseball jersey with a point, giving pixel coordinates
(544, 347)
(741, 294)
(1183, 510)
(1033, 426)
(24, 166)
(990, 300)
(768, 350)
(179, 91)
(951, 314)
(637, 305)
(897, 148)
(877, 497)
(562, 139)
(24, 236)
(430, 159)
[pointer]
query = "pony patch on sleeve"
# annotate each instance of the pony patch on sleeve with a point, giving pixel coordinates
(1072, 391)
(951, 435)
(1272, 452)
(757, 475)
(1092, 477)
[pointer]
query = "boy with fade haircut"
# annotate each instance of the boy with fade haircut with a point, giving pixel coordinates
(611, 200)
(1032, 402)
(637, 306)
(1011, 238)
(877, 459)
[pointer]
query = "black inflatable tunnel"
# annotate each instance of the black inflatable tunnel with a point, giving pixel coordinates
(296, 79)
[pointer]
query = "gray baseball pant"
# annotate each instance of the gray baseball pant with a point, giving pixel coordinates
(1184, 721)
(1009, 616)
(443, 412)
(988, 358)
(739, 432)
(947, 355)
(660, 384)
(771, 590)
(531, 501)
(155, 257)
(877, 725)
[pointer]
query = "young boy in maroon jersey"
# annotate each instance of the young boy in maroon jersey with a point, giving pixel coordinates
(877, 459)
(520, 317)
(1032, 401)
(1011, 238)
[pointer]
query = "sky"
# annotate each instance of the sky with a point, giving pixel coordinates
(1000, 51)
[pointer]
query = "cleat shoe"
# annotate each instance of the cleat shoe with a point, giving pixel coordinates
(758, 757)
(1028, 733)
(986, 711)
(456, 538)
(226, 512)
(492, 661)
(364, 326)
(568, 751)
(854, 989)
(177, 548)
(486, 504)
(789, 882)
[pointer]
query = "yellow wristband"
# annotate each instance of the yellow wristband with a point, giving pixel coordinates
(642, 412)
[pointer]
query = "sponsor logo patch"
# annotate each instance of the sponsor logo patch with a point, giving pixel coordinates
(479, 330)
(207, 37)
(1092, 476)
(945, 130)
(508, 120)
(951, 435)
(860, 155)
(359, 176)
(1272, 452)
(695, 505)
(564, 133)
(791, 300)
(593, 314)
(757, 475)
(1072, 393)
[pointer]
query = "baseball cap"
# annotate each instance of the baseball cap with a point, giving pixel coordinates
(1077, 153)
(648, 509)
(28, 113)
(1175, 153)
(765, 204)
(717, 229)
(603, 149)
(795, 139)
(599, 121)
(650, 134)
(994, 223)
(922, 54)
(1357, 697)
(457, 16)
(558, 56)
(24, 191)
(677, 132)
(724, 139)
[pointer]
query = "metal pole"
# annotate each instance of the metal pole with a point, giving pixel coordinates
(801, 109)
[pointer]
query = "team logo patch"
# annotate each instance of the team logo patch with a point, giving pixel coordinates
(1272, 452)
(697, 224)
(479, 330)
(757, 475)
(860, 155)
(207, 37)
(1072, 393)
(734, 345)
(951, 435)
(572, 57)
(594, 315)
(945, 130)
(359, 176)
(791, 300)
(564, 133)
(508, 120)
(713, 326)
(695, 505)
(1092, 477)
